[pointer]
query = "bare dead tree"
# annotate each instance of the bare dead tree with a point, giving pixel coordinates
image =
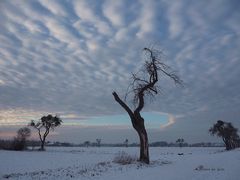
(144, 84)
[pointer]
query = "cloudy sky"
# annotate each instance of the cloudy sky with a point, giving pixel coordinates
(66, 57)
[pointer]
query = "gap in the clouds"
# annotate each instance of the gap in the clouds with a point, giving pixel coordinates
(152, 120)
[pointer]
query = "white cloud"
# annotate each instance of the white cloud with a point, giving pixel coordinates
(2, 82)
(146, 18)
(33, 27)
(83, 11)
(92, 45)
(174, 16)
(86, 14)
(171, 121)
(55, 7)
(59, 31)
(113, 10)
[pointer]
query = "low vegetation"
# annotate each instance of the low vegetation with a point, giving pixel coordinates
(123, 158)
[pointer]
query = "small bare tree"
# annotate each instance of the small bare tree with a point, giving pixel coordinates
(44, 125)
(87, 143)
(126, 143)
(23, 133)
(20, 142)
(144, 84)
(180, 141)
(98, 141)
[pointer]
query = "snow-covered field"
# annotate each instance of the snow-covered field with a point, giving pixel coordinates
(97, 163)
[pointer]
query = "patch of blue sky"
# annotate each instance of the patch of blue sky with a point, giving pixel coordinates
(152, 120)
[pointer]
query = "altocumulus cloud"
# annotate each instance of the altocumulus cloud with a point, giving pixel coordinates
(68, 56)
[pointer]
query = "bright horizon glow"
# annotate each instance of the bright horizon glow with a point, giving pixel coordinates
(21, 117)
(152, 120)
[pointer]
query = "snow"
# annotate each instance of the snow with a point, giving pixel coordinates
(97, 163)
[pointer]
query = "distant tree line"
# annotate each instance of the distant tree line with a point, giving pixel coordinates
(153, 144)
(21, 140)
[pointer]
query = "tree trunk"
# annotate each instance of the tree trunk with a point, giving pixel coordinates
(228, 145)
(138, 125)
(42, 145)
(144, 147)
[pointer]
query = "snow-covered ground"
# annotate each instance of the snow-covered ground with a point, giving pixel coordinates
(97, 163)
